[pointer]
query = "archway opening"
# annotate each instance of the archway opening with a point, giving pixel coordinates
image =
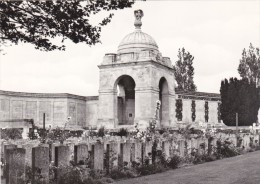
(164, 98)
(126, 100)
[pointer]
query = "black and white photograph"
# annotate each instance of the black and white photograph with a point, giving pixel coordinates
(130, 91)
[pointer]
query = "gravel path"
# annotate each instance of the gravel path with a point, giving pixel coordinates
(243, 169)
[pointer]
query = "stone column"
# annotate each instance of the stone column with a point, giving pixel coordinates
(80, 153)
(40, 160)
(107, 112)
(145, 105)
(15, 160)
(172, 122)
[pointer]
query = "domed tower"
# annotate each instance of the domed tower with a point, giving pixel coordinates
(133, 80)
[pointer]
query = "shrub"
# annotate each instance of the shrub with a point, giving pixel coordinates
(257, 148)
(225, 149)
(160, 158)
(150, 169)
(201, 158)
(29, 175)
(122, 173)
(11, 133)
(174, 162)
(122, 132)
(101, 132)
(96, 174)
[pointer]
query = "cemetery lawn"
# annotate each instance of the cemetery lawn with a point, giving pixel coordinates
(242, 169)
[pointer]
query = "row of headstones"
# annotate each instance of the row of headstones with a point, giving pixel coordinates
(99, 155)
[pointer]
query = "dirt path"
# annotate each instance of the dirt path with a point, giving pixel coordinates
(243, 169)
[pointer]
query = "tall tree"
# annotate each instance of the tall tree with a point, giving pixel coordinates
(239, 96)
(249, 66)
(38, 22)
(184, 71)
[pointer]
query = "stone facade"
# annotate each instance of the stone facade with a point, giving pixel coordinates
(84, 110)
(132, 81)
(57, 108)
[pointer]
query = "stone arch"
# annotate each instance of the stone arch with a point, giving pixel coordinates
(165, 101)
(125, 100)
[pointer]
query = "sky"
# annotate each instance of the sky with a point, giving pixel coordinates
(214, 32)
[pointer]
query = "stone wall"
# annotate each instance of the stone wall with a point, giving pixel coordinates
(84, 110)
(91, 112)
(199, 111)
(57, 108)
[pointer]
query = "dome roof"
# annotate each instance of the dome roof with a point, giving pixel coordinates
(137, 41)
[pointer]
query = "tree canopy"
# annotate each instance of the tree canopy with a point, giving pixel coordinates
(184, 71)
(249, 66)
(38, 22)
(239, 96)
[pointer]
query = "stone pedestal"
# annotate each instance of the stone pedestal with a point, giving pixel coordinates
(15, 168)
(40, 161)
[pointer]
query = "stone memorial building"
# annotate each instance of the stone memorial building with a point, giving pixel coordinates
(131, 83)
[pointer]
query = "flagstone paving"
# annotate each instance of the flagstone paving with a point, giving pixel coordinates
(243, 169)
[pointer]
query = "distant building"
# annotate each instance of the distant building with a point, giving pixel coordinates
(131, 82)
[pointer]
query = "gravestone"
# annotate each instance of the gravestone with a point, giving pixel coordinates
(188, 142)
(193, 144)
(181, 147)
(15, 168)
(62, 159)
(166, 149)
(28, 153)
(40, 162)
(7, 147)
(148, 151)
(113, 154)
(80, 153)
(126, 153)
(138, 151)
(98, 154)
(132, 152)
(210, 145)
